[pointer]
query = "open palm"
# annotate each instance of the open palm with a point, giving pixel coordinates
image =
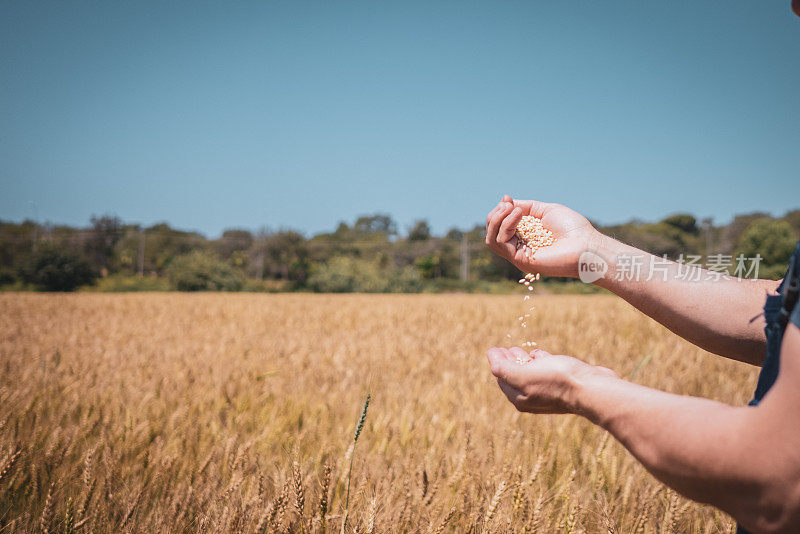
(573, 232)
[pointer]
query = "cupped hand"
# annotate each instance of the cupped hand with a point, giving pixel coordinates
(545, 384)
(573, 232)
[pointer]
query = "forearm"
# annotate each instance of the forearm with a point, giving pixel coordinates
(720, 315)
(705, 450)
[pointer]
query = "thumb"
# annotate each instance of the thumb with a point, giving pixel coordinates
(499, 361)
(506, 369)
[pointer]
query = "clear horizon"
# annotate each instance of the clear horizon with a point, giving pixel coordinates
(402, 229)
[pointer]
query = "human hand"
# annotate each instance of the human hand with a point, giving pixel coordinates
(546, 384)
(573, 232)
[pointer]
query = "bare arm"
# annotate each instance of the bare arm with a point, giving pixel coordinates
(722, 316)
(744, 460)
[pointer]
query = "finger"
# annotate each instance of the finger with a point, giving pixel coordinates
(507, 370)
(539, 353)
(509, 226)
(507, 198)
(534, 208)
(498, 357)
(494, 224)
(499, 353)
(491, 213)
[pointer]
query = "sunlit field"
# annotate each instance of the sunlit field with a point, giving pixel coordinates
(237, 413)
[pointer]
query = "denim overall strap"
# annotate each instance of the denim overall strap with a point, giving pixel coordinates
(774, 332)
(779, 310)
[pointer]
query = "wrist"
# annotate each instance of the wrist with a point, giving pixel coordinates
(585, 390)
(608, 249)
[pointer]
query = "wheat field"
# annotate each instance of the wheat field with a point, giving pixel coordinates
(237, 413)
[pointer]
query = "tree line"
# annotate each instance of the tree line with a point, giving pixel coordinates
(368, 255)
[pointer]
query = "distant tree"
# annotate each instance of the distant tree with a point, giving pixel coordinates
(380, 223)
(343, 274)
(369, 236)
(683, 221)
(232, 242)
(17, 242)
(793, 218)
(731, 235)
(340, 275)
(7, 276)
(774, 240)
(203, 271)
(103, 236)
(454, 234)
(659, 238)
(282, 255)
(163, 244)
(429, 266)
(420, 231)
(55, 267)
(341, 230)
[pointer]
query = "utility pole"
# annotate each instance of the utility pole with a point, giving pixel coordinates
(141, 252)
(464, 257)
(35, 225)
(708, 224)
(260, 265)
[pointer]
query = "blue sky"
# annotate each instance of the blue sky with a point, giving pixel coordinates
(301, 114)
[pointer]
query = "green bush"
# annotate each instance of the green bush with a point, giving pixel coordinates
(344, 274)
(57, 268)
(774, 240)
(120, 283)
(7, 276)
(683, 222)
(203, 271)
(253, 285)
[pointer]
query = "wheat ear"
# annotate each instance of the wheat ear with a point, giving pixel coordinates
(359, 428)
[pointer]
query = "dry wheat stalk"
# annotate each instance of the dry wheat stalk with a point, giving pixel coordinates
(87, 498)
(447, 518)
(69, 517)
(299, 491)
(670, 524)
(373, 510)
(536, 470)
(323, 498)
(88, 466)
(44, 520)
(283, 501)
(536, 518)
(432, 492)
(569, 522)
(641, 522)
(9, 463)
(501, 488)
(131, 509)
(263, 521)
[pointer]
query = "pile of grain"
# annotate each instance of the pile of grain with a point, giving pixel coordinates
(532, 235)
